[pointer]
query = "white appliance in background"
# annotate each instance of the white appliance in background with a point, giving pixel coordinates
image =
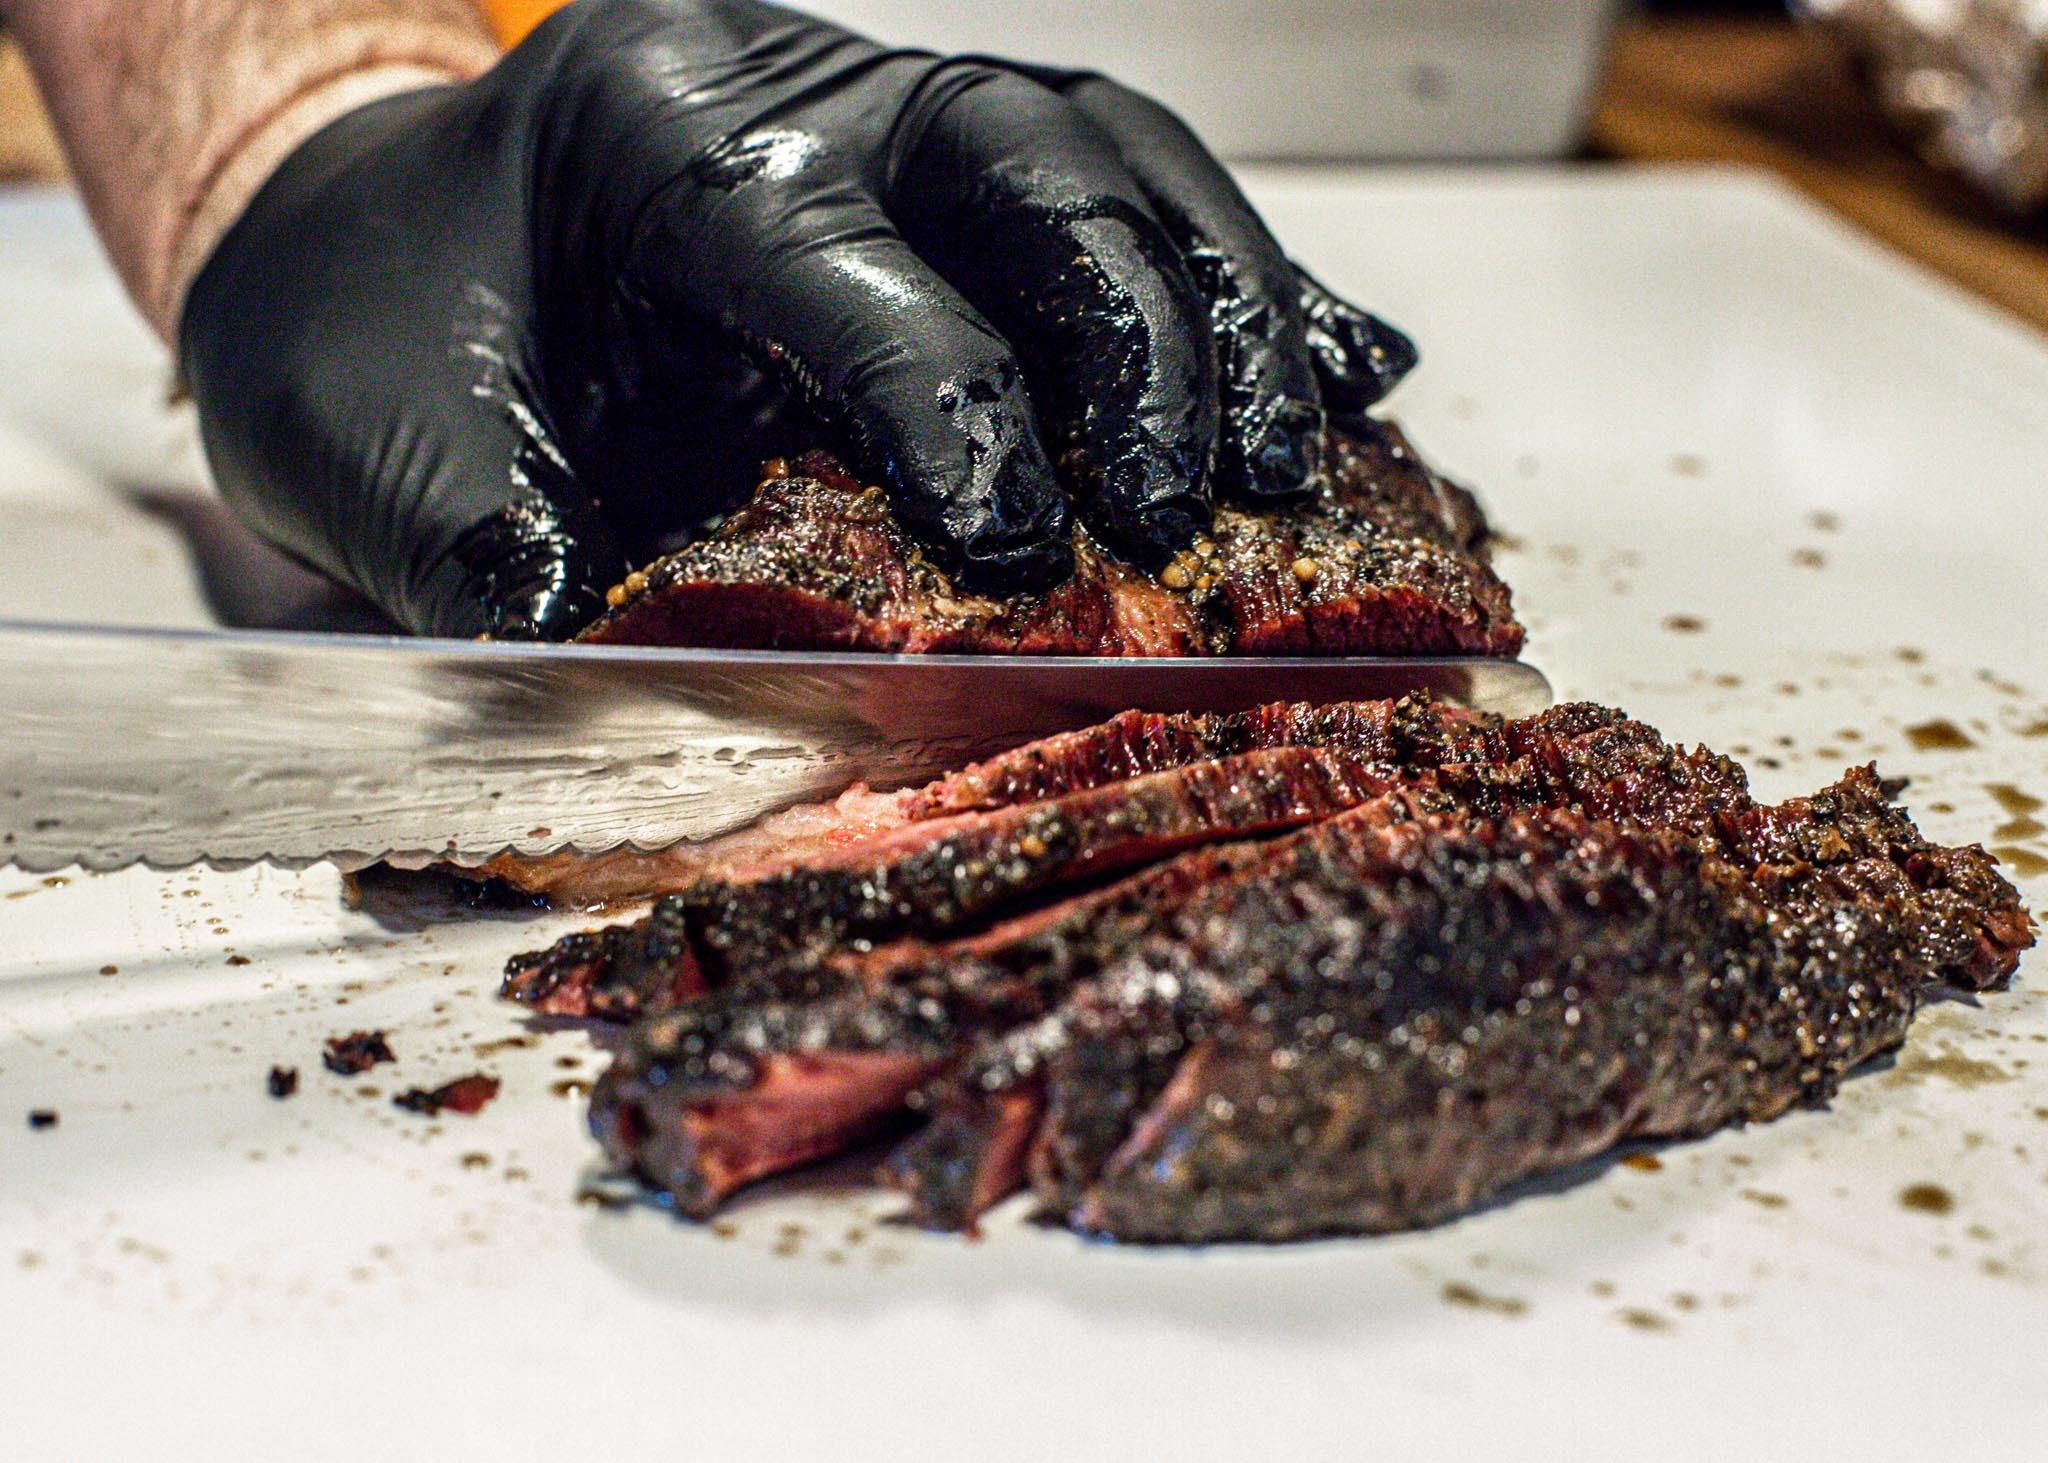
(1304, 78)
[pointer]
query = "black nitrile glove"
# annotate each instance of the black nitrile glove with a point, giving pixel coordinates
(474, 347)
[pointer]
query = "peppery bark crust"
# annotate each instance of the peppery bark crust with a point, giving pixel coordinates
(1499, 948)
(1384, 558)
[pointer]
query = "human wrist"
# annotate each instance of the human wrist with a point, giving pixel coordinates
(173, 113)
(332, 78)
(222, 186)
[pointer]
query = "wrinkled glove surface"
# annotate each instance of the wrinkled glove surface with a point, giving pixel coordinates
(473, 349)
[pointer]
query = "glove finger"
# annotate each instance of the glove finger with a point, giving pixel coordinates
(811, 279)
(1272, 442)
(1023, 204)
(1358, 357)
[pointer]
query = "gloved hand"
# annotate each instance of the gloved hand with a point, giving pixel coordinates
(472, 348)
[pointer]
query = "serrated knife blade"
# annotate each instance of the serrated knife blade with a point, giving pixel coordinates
(171, 748)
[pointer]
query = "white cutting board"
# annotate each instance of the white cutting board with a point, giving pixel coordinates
(1771, 488)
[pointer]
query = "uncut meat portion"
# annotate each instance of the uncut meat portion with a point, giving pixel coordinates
(1384, 558)
(1215, 1006)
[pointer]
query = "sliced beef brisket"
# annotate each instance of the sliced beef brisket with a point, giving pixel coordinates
(1304, 971)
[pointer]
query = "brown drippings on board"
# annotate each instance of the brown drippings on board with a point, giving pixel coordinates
(1809, 559)
(1684, 624)
(570, 1087)
(1763, 1199)
(1642, 1320)
(1940, 735)
(2015, 801)
(1458, 1293)
(1940, 1059)
(282, 1082)
(506, 1044)
(2022, 861)
(1927, 1199)
(1823, 521)
(1642, 1162)
(2021, 827)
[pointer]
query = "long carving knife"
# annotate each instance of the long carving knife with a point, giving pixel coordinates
(171, 748)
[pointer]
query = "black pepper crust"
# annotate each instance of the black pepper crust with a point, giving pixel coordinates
(1385, 1043)
(1507, 946)
(1384, 557)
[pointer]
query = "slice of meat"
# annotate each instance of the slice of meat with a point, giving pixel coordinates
(1488, 1000)
(697, 1128)
(1410, 935)
(1388, 1048)
(1569, 756)
(467, 1096)
(924, 1001)
(602, 881)
(1413, 731)
(940, 875)
(1385, 558)
(612, 974)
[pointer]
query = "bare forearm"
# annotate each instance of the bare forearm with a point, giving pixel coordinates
(174, 112)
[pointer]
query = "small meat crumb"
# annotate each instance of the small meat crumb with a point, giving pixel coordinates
(41, 1118)
(282, 1082)
(465, 1095)
(357, 1052)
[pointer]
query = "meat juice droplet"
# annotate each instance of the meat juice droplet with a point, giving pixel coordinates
(2022, 861)
(1940, 735)
(1927, 1199)
(2017, 802)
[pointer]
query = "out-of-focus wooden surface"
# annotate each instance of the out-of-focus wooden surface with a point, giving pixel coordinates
(27, 150)
(1761, 92)
(1770, 94)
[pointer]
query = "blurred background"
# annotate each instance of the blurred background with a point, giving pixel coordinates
(1932, 136)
